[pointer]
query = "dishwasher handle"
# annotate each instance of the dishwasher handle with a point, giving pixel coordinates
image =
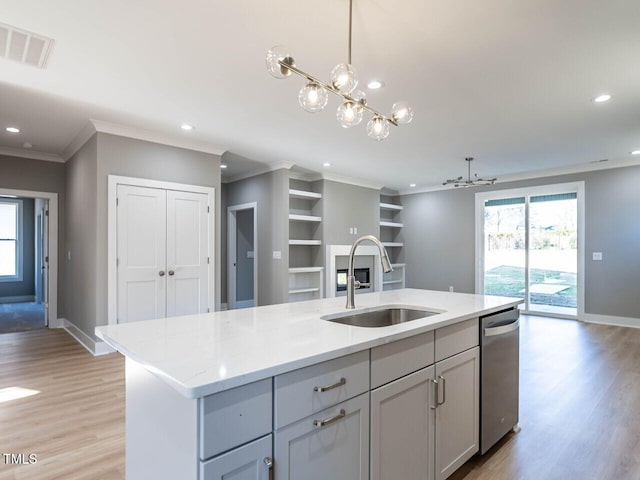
(502, 329)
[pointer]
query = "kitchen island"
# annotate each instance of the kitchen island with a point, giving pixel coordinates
(276, 390)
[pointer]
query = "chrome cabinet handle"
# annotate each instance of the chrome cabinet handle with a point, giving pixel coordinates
(171, 273)
(161, 273)
(329, 421)
(444, 391)
(268, 461)
(435, 393)
(339, 383)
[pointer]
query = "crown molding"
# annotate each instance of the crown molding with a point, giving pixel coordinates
(77, 143)
(33, 155)
(279, 165)
(551, 172)
(351, 181)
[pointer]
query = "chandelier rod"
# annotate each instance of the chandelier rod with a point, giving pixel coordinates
(286, 64)
(350, 28)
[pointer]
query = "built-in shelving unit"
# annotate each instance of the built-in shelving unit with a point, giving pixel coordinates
(391, 236)
(306, 275)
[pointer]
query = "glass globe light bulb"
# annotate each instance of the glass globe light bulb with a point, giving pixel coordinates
(277, 54)
(349, 114)
(343, 78)
(378, 128)
(401, 112)
(313, 97)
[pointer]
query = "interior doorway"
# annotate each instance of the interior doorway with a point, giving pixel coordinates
(530, 246)
(28, 267)
(242, 246)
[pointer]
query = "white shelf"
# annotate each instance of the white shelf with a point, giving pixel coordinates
(306, 269)
(390, 206)
(304, 290)
(390, 282)
(398, 265)
(391, 224)
(305, 242)
(304, 218)
(392, 244)
(304, 194)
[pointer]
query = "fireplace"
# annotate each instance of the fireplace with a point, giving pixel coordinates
(362, 275)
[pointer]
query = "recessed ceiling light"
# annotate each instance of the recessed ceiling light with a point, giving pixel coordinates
(27, 145)
(13, 129)
(223, 165)
(412, 185)
(186, 126)
(605, 97)
(326, 164)
(635, 152)
(375, 84)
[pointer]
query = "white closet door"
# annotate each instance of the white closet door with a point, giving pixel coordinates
(187, 253)
(141, 247)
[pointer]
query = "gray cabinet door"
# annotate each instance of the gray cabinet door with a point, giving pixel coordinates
(457, 415)
(331, 444)
(402, 428)
(249, 462)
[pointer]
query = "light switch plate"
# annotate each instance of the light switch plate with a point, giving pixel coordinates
(597, 256)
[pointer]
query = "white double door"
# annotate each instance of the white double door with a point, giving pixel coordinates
(162, 251)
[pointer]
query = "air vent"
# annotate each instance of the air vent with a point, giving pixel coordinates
(23, 46)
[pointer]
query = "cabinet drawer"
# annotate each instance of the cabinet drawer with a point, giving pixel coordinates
(311, 389)
(456, 338)
(397, 359)
(247, 462)
(332, 444)
(234, 417)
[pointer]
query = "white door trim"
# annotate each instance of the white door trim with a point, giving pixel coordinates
(52, 271)
(231, 252)
(481, 197)
(112, 278)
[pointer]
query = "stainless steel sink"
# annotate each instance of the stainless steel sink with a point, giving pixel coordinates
(379, 317)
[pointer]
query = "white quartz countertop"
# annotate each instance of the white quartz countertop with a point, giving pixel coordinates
(208, 353)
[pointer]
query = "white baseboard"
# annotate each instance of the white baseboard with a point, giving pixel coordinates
(611, 320)
(18, 299)
(93, 347)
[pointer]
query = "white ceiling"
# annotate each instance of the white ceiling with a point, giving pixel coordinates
(508, 82)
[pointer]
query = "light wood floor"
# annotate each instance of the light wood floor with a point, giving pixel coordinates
(75, 425)
(579, 408)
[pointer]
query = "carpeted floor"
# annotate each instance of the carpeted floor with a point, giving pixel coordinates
(15, 317)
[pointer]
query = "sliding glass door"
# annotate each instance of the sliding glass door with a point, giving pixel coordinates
(528, 247)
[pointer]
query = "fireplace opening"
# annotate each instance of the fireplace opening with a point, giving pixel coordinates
(362, 275)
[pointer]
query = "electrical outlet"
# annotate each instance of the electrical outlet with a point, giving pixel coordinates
(597, 256)
(350, 230)
(277, 255)
(451, 288)
(355, 230)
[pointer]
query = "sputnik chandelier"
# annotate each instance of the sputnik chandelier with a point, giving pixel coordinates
(313, 97)
(459, 182)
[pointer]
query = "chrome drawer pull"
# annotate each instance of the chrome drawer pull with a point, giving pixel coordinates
(268, 461)
(329, 421)
(339, 383)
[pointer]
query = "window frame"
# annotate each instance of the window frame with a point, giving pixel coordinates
(18, 277)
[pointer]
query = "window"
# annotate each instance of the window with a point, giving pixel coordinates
(10, 244)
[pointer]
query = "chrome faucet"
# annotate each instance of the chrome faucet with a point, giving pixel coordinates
(352, 283)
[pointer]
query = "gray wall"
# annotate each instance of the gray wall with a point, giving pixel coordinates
(26, 286)
(80, 248)
(270, 192)
(439, 236)
(36, 175)
(87, 174)
(244, 245)
(349, 206)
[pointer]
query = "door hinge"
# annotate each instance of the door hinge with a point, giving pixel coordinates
(208, 260)
(208, 209)
(46, 259)
(117, 201)
(46, 213)
(117, 262)
(208, 310)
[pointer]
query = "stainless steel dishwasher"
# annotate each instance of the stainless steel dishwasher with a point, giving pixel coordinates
(499, 374)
